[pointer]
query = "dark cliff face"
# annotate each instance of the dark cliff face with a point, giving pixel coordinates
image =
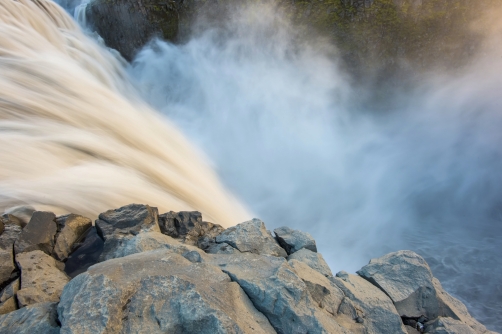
(375, 37)
(127, 25)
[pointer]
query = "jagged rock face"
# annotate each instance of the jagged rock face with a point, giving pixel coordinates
(293, 240)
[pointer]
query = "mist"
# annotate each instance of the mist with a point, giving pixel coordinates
(295, 139)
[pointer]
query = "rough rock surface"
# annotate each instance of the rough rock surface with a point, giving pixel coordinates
(127, 220)
(73, 227)
(8, 297)
(276, 291)
(157, 292)
(38, 234)
(189, 228)
(41, 278)
(2, 226)
(7, 239)
(407, 279)
(367, 304)
(313, 260)
(294, 240)
(252, 237)
(33, 319)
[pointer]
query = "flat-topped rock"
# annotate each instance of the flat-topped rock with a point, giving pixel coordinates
(294, 240)
(251, 237)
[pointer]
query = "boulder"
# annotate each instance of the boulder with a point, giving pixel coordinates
(73, 227)
(38, 234)
(368, 305)
(407, 279)
(85, 253)
(276, 291)
(326, 294)
(448, 326)
(157, 292)
(8, 297)
(455, 309)
(294, 240)
(7, 239)
(313, 260)
(37, 318)
(252, 237)
(41, 278)
(127, 220)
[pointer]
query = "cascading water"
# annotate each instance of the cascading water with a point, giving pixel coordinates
(74, 136)
(279, 122)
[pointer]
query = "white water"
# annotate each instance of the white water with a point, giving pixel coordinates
(75, 137)
(280, 124)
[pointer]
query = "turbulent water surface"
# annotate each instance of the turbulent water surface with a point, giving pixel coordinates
(281, 124)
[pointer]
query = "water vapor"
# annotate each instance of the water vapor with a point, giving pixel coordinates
(287, 131)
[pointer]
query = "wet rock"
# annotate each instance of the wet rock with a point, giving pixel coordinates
(86, 252)
(367, 303)
(326, 294)
(73, 227)
(33, 319)
(127, 220)
(313, 260)
(41, 278)
(38, 234)
(8, 297)
(294, 240)
(448, 326)
(252, 237)
(7, 265)
(277, 292)
(173, 295)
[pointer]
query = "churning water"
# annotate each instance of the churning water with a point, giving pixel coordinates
(282, 126)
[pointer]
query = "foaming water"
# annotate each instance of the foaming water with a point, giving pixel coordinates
(287, 133)
(74, 136)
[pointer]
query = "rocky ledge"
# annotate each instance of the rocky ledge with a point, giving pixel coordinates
(136, 271)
